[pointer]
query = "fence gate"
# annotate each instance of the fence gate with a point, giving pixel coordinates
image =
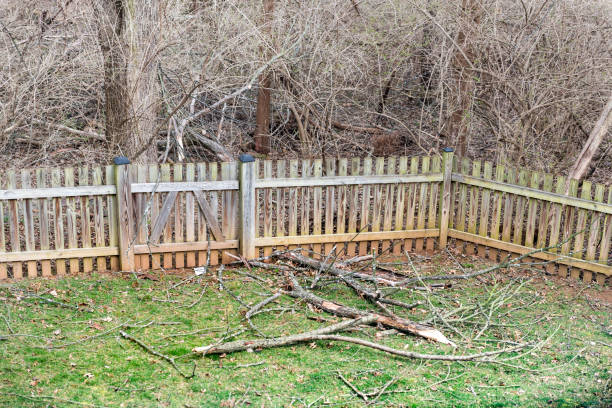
(174, 216)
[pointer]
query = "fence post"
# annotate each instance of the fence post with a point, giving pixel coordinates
(247, 206)
(125, 213)
(445, 194)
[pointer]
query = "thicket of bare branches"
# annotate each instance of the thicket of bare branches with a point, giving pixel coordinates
(514, 81)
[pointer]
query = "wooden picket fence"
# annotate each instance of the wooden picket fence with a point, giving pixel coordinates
(136, 217)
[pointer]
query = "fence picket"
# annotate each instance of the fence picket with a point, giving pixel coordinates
(400, 205)
(594, 233)
(422, 210)
(85, 216)
(28, 222)
(14, 226)
(581, 225)
(568, 222)
(473, 209)
(500, 172)
(267, 206)
(293, 202)
(411, 202)
(98, 219)
(330, 205)
(3, 266)
(201, 176)
(353, 204)
(364, 225)
(605, 240)
(113, 218)
(214, 205)
(484, 209)
(190, 215)
(555, 223)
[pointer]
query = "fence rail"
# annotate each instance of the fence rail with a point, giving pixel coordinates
(130, 217)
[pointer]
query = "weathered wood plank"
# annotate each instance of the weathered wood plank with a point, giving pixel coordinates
(521, 206)
(434, 198)
(411, 202)
(85, 216)
(595, 233)
(202, 227)
(500, 172)
(317, 204)
(98, 220)
(113, 217)
(162, 219)
(484, 208)
(519, 249)
(581, 227)
(214, 205)
(14, 225)
(533, 193)
(71, 220)
(377, 203)
(190, 215)
(179, 217)
(353, 208)
(400, 204)
(58, 222)
(293, 200)
(267, 230)
(3, 266)
(56, 192)
(330, 204)
(305, 214)
(163, 187)
(28, 222)
(555, 222)
(422, 211)
(473, 208)
(59, 254)
(209, 216)
(182, 247)
(364, 224)
(338, 238)
(154, 176)
(568, 227)
(247, 208)
(388, 204)
(348, 180)
(125, 217)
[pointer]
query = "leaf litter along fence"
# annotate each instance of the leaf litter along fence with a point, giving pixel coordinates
(135, 217)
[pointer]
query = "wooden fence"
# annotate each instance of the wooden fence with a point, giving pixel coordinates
(135, 217)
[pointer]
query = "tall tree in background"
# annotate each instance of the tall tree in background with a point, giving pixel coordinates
(128, 34)
(263, 112)
(462, 95)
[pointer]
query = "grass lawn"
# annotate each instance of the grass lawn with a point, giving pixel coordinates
(56, 356)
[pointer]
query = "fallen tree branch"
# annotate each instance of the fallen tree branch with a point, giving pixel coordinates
(322, 334)
(393, 322)
(242, 345)
(158, 354)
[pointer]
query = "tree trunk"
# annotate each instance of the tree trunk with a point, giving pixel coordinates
(590, 147)
(110, 18)
(263, 112)
(461, 100)
(128, 33)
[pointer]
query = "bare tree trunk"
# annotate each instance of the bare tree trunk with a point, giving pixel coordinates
(110, 18)
(461, 101)
(128, 33)
(263, 112)
(600, 129)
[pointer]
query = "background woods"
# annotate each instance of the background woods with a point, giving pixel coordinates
(522, 82)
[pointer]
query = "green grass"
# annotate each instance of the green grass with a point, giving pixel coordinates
(571, 369)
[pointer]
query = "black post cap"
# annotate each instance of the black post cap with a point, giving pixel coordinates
(448, 150)
(246, 158)
(119, 160)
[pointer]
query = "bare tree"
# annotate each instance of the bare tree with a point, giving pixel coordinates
(262, 117)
